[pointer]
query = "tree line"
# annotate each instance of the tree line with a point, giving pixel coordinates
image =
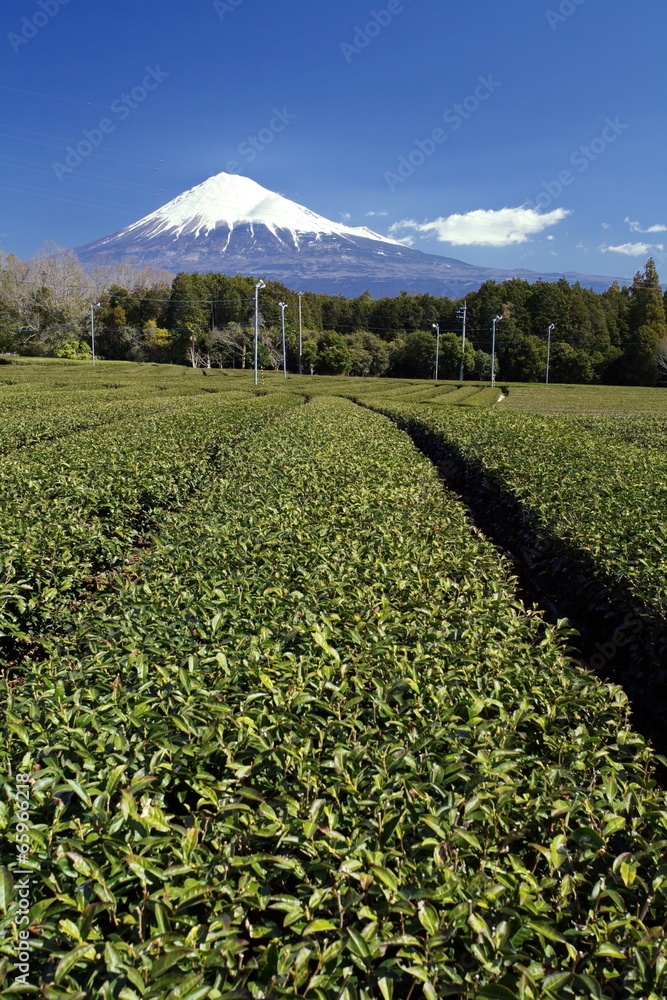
(617, 337)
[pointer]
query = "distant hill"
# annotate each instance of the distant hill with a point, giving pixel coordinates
(232, 225)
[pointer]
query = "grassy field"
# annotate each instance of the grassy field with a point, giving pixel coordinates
(283, 722)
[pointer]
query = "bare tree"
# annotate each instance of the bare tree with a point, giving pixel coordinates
(661, 358)
(60, 272)
(129, 273)
(47, 299)
(230, 346)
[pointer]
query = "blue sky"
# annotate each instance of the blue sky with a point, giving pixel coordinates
(526, 134)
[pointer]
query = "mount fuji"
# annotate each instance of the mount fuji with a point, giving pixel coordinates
(232, 225)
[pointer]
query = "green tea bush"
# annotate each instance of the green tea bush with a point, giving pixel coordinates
(311, 744)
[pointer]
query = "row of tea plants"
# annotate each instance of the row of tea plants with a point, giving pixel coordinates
(585, 495)
(75, 506)
(311, 744)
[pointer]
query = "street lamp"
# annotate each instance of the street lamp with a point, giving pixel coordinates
(260, 284)
(300, 337)
(436, 327)
(493, 352)
(462, 313)
(283, 307)
(552, 326)
(93, 307)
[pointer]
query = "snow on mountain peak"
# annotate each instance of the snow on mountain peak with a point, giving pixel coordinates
(230, 200)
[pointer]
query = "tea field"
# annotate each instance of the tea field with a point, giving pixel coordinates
(281, 720)
(586, 496)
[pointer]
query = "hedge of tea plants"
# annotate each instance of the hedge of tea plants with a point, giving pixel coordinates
(642, 429)
(590, 493)
(37, 406)
(311, 744)
(42, 419)
(75, 506)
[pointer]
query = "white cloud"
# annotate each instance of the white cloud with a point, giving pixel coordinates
(581, 246)
(633, 249)
(551, 237)
(605, 225)
(636, 228)
(501, 228)
(377, 213)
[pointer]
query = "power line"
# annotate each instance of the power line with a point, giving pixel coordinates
(210, 302)
(133, 298)
(64, 138)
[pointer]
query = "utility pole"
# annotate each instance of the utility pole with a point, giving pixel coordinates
(493, 352)
(93, 307)
(552, 326)
(300, 338)
(462, 313)
(258, 285)
(283, 307)
(436, 327)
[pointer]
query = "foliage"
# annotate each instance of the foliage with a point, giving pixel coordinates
(577, 485)
(309, 354)
(333, 355)
(75, 350)
(611, 337)
(370, 355)
(567, 364)
(307, 741)
(416, 356)
(94, 494)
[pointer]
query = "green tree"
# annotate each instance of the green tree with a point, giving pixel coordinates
(309, 352)
(615, 302)
(73, 349)
(481, 367)
(483, 305)
(415, 357)
(188, 306)
(333, 356)
(264, 359)
(449, 356)
(523, 359)
(662, 363)
(370, 354)
(158, 343)
(569, 365)
(648, 328)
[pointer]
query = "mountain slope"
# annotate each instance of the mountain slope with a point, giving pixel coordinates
(233, 225)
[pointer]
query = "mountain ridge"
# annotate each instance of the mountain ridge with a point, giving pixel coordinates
(232, 225)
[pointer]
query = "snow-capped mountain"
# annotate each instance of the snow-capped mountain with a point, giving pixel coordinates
(231, 224)
(228, 202)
